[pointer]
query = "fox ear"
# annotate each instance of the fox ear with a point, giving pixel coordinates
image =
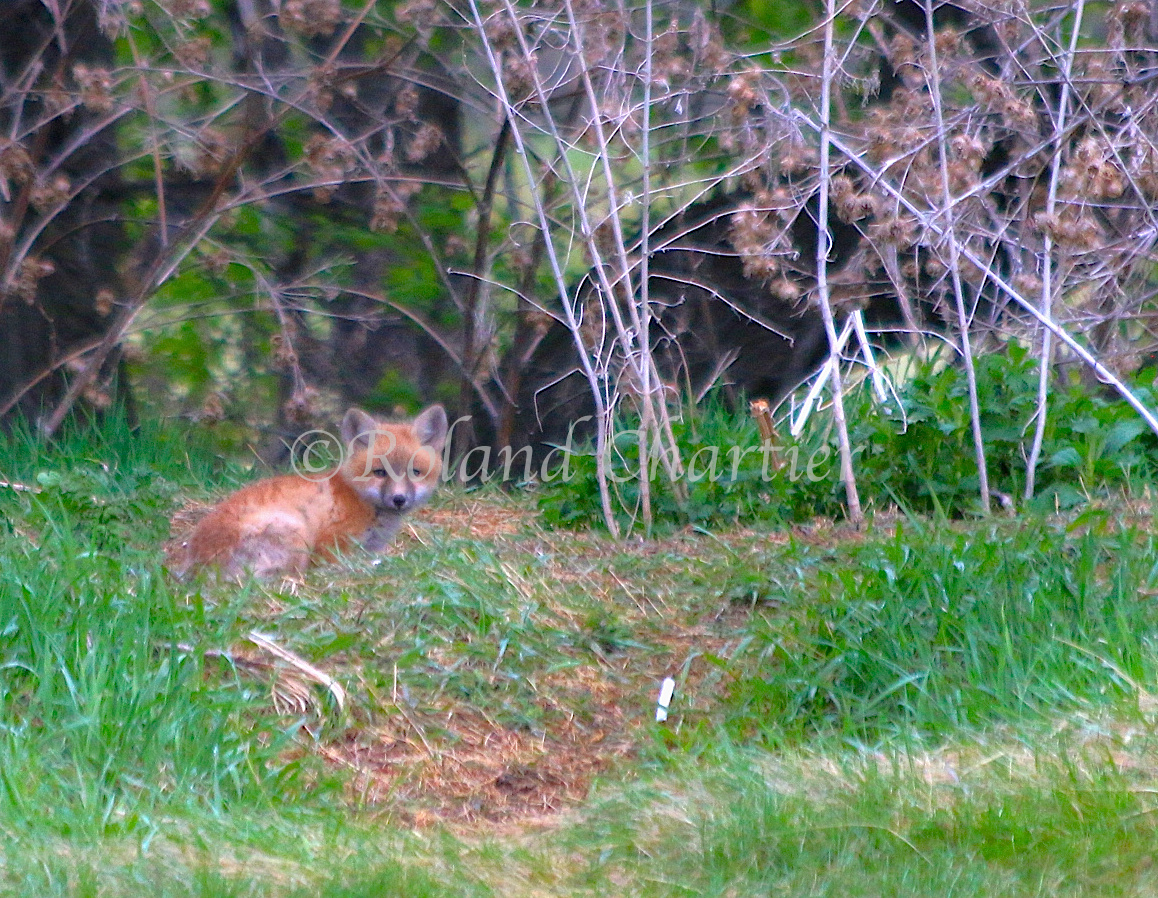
(430, 427)
(356, 427)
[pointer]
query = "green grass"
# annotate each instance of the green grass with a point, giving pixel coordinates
(982, 820)
(110, 719)
(919, 709)
(933, 629)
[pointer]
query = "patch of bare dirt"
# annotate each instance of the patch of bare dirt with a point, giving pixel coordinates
(479, 519)
(465, 768)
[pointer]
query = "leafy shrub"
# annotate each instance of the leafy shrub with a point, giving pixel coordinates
(919, 454)
(915, 451)
(729, 478)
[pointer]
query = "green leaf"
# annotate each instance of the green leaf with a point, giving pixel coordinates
(1066, 458)
(1123, 432)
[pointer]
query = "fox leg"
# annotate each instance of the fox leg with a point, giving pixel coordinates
(382, 533)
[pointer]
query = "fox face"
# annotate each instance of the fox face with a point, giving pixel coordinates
(393, 468)
(278, 525)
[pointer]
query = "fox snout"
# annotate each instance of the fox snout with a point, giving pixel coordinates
(397, 494)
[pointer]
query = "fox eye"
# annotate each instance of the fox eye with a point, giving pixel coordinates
(379, 472)
(416, 471)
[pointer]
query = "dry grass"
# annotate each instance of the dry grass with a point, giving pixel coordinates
(624, 616)
(454, 762)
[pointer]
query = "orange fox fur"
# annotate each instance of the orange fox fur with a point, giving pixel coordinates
(275, 526)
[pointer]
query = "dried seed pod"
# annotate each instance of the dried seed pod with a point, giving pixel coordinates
(104, 301)
(46, 197)
(96, 87)
(310, 18)
(423, 143)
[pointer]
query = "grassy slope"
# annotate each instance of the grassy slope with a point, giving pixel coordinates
(915, 710)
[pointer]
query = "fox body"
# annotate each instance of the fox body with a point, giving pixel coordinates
(275, 526)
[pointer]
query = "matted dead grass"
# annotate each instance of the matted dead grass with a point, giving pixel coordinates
(478, 518)
(443, 759)
(455, 764)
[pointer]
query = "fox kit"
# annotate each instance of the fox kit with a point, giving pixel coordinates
(274, 526)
